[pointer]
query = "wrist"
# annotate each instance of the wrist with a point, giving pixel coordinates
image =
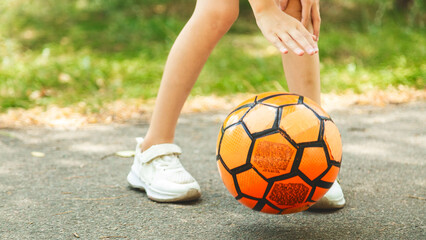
(260, 6)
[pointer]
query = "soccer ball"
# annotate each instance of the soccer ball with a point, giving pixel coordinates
(278, 153)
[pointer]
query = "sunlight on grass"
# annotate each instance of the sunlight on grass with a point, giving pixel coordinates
(94, 52)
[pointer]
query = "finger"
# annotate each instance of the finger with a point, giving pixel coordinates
(312, 39)
(304, 40)
(291, 44)
(307, 35)
(316, 20)
(306, 15)
(279, 45)
(316, 43)
(283, 4)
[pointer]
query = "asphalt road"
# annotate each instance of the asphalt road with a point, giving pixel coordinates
(79, 188)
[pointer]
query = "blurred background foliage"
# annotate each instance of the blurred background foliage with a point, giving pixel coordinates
(96, 51)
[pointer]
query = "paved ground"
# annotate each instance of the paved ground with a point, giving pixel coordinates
(79, 188)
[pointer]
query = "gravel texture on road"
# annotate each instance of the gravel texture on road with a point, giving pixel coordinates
(79, 189)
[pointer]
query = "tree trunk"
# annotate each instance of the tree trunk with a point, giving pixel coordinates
(403, 5)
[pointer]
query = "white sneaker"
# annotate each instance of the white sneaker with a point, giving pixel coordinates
(333, 199)
(159, 172)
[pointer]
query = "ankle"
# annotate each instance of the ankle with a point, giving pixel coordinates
(147, 143)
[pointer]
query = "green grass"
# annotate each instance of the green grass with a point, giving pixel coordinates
(100, 51)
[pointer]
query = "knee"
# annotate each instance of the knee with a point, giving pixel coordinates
(221, 14)
(228, 13)
(294, 9)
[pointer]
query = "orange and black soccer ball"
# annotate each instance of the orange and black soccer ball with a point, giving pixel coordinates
(278, 153)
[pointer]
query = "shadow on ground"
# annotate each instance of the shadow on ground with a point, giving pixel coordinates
(79, 188)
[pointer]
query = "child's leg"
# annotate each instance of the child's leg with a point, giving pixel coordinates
(303, 77)
(209, 22)
(157, 169)
(302, 72)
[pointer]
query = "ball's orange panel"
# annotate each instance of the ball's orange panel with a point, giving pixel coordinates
(317, 108)
(333, 141)
(291, 192)
(227, 179)
(251, 183)
(331, 174)
(273, 155)
(260, 118)
(319, 193)
(234, 117)
(314, 162)
(218, 141)
(268, 209)
(300, 123)
(267, 94)
(235, 146)
(250, 203)
(288, 110)
(282, 100)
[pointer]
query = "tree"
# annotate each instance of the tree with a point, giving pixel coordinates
(403, 5)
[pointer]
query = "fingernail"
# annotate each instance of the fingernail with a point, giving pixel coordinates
(311, 51)
(283, 50)
(299, 51)
(316, 49)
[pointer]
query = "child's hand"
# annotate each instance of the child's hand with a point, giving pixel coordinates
(310, 11)
(282, 30)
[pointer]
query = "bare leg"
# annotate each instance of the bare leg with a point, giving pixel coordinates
(302, 72)
(210, 21)
(303, 77)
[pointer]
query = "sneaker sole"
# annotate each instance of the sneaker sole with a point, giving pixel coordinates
(135, 182)
(329, 205)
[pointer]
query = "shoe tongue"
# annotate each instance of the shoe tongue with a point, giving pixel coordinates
(168, 162)
(174, 170)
